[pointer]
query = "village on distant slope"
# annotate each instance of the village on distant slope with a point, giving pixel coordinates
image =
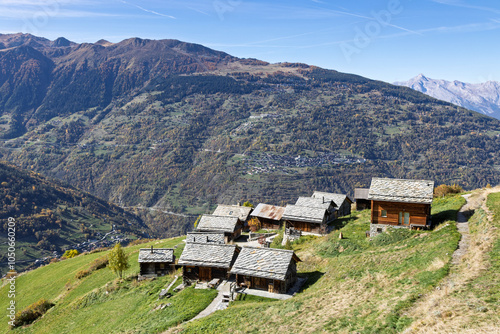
(217, 254)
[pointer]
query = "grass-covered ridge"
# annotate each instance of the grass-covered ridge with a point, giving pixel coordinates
(355, 284)
(100, 303)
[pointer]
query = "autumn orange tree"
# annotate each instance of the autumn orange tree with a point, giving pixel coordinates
(254, 224)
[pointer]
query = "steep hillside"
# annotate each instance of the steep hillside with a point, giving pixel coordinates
(354, 285)
(50, 217)
(169, 129)
(481, 97)
(100, 303)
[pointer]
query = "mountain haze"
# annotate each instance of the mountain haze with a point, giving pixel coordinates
(481, 97)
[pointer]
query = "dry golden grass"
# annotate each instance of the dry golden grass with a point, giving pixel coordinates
(452, 307)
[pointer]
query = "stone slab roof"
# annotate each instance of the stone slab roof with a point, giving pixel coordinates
(156, 255)
(262, 262)
(207, 255)
(239, 211)
(338, 199)
(268, 211)
(361, 193)
(205, 237)
(303, 213)
(312, 202)
(214, 223)
(401, 190)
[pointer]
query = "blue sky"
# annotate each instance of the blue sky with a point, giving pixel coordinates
(388, 40)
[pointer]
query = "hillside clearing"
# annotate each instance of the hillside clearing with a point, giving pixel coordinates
(354, 284)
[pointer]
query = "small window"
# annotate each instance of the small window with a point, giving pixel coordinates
(379, 230)
(383, 213)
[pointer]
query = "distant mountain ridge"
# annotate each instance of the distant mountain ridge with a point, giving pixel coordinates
(481, 97)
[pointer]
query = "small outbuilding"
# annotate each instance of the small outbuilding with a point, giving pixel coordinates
(230, 226)
(320, 203)
(206, 237)
(305, 218)
(239, 211)
(268, 215)
(361, 198)
(154, 262)
(342, 202)
(270, 269)
(206, 261)
(400, 203)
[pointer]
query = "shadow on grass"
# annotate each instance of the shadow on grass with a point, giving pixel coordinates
(443, 216)
(338, 223)
(312, 278)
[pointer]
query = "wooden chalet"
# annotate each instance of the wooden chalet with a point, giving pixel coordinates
(242, 212)
(361, 198)
(305, 218)
(400, 203)
(320, 203)
(156, 262)
(230, 226)
(206, 237)
(268, 215)
(206, 261)
(342, 202)
(270, 269)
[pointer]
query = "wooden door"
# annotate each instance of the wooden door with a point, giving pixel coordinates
(260, 283)
(270, 286)
(205, 274)
(404, 218)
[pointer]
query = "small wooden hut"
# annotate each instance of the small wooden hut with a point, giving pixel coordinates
(155, 262)
(268, 215)
(206, 261)
(270, 269)
(400, 203)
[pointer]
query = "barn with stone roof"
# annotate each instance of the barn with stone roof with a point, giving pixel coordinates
(242, 212)
(155, 262)
(206, 261)
(342, 201)
(270, 269)
(400, 203)
(305, 218)
(206, 237)
(320, 203)
(230, 226)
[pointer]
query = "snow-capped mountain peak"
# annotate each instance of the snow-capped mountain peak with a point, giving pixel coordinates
(481, 97)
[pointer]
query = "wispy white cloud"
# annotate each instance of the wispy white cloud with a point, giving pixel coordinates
(457, 3)
(147, 10)
(475, 27)
(47, 3)
(7, 12)
(199, 11)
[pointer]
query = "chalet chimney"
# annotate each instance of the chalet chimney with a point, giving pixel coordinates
(151, 249)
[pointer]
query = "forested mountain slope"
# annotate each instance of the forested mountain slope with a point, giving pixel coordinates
(172, 127)
(50, 216)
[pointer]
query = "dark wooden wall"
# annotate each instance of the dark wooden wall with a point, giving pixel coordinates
(269, 223)
(363, 204)
(419, 213)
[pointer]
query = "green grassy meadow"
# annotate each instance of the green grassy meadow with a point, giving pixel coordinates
(355, 284)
